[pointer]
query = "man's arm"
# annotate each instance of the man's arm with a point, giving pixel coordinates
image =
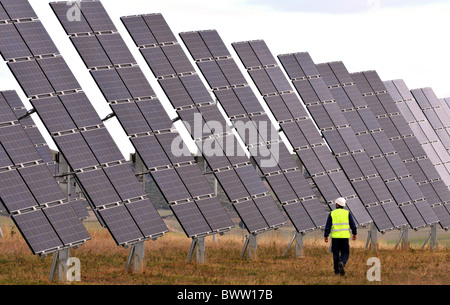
(352, 226)
(327, 228)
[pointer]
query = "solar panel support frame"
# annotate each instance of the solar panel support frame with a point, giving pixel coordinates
(197, 246)
(403, 238)
(60, 266)
(298, 239)
(432, 238)
(136, 258)
(250, 247)
(372, 238)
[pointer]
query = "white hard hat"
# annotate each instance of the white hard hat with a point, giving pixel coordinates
(341, 201)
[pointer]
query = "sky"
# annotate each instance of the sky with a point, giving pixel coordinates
(399, 39)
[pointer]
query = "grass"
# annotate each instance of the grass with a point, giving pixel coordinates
(102, 262)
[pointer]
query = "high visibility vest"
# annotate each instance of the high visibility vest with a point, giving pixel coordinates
(340, 226)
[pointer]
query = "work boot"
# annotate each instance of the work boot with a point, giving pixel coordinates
(341, 268)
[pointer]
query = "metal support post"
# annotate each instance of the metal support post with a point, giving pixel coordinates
(1, 233)
(251, 244)
(432, 237)
(198, 246)
(60, 265)
(136, 257)
(403, 238)
(372, 238)
(298, 238)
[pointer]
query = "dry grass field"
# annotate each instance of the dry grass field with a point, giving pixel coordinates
(102, 262)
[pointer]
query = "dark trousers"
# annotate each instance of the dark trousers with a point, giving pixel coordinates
(341, 251)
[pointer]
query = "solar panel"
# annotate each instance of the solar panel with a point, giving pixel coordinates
(338, 133)
(31, 78)
(116, 49)
(96, 16)
(36, 38)
(102, 145)
(50, 76)
(111, 85)
(194, 181)
(251, 217)
(385, 164)
(75, 151)
(403, 145)
(121, 224)
(191, 219)
(54, 113)
(58, 74)
(146, 218)
(66, 224)
(37, 231)
(41, 183)
(302, 134)
(96, 187)
(421, 127)
(171, 185)
(91, 51)
(123, 180)
(150, 151)
(214, 214)
(11, 43)
(185, 91)
(80, 109)
(79, 208)
(19, 9)
(18, 145)
(14, 193)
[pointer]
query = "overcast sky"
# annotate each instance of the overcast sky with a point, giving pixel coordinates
(399, 38)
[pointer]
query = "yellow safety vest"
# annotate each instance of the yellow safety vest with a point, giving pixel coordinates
(340, 226)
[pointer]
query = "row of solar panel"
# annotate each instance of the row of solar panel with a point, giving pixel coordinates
(29, 192)
(49, 81)
(281, 185)
(407, 147)
(299, 129)
(286, 186)
(178, 184)
(421, 127)
(186, 92)
(274, 87)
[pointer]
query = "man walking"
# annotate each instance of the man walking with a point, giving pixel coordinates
(339, 223)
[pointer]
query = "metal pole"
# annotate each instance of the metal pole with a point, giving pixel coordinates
(433, 233)
(252, 246)
(244, 249)
(290, 243)
(405, 239)
(299, 245)
(139, 255)
(191, 250)
(60, 265)
(201, 251)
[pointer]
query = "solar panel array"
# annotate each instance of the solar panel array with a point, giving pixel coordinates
(428, 139)
(421, 127)
(342, 140)
(244, 110)
(144, 120)
(374, 140)
(298, 127)
(75, 127)
(406, 144)
(31, 195)
(208, 127)
(435, 113)
(36, 138)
